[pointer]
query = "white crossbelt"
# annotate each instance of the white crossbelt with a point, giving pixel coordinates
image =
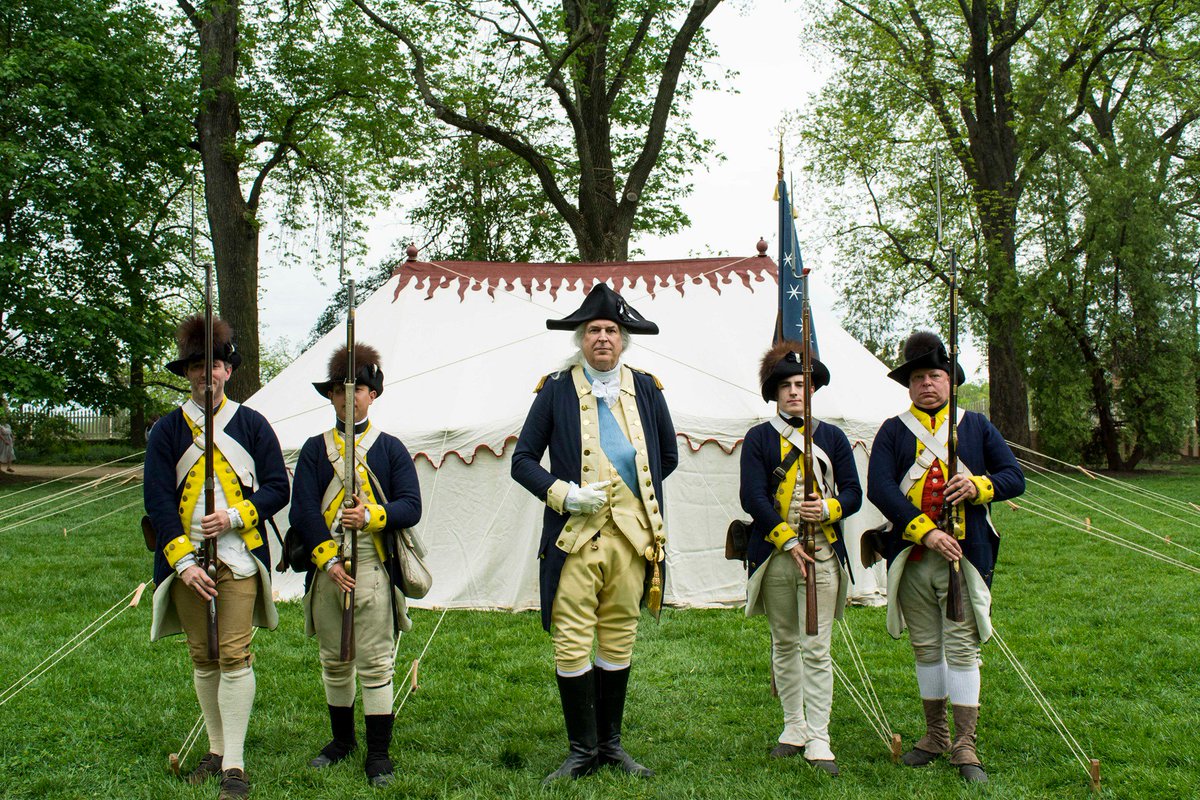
(797, 440)
(241, 461)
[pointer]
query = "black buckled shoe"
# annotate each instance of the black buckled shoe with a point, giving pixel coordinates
(209, 767)
(234, 785)
(828, 766)
(785, 750)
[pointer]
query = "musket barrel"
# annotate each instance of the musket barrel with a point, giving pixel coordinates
(348, 479)
(210, 490)
(809, 528)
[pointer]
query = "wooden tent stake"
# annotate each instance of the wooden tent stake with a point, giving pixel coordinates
(1095, 774)
(896, 748)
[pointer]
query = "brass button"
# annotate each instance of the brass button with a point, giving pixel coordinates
(587, 469)
(568, 528)
(649, 482)
(587, 452)
(645, 468)
(584, 406)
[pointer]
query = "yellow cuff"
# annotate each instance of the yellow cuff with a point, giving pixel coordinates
(835, 510)
(780, 535)
(176, 549)
(916, 530)
(378, 518)
(323, 552)
(986, 490)
(556, 496)
(249, 513)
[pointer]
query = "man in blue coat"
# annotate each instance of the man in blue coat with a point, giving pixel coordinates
(907, 480)
(251, 486)
(779, 568)
(611, 445)
(387, 499)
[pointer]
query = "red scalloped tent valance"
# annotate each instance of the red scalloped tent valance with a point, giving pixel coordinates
(491, 275)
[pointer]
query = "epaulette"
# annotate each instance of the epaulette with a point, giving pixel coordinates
(652, 377)
(541, 383)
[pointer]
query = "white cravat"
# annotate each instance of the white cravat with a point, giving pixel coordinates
(606, 385)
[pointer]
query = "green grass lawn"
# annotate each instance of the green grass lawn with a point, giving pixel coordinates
(1111, 637)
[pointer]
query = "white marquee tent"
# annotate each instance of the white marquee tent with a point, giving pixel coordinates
(465, 343)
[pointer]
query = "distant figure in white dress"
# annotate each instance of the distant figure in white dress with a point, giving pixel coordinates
(7, 454)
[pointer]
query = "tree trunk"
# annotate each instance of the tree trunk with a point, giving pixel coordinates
(232, 222)
(137, 410)
(992, 166)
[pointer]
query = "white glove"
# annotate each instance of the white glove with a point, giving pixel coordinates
(586, 499)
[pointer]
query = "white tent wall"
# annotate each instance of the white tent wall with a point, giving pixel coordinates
(463, 347)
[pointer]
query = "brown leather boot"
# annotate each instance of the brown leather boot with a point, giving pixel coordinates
(962, 753)
(936, 739)
(209, 767)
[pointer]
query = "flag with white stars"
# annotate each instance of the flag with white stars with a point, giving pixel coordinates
(792, 283)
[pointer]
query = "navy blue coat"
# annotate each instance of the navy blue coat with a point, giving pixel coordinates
(760, 457)
(170, 438)
(395, 476)
(980, 447)
(553, 422)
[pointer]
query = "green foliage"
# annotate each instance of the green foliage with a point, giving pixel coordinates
(1069, 188)
(92, 151)
(583, 109)
(334, 314)
(486, 721)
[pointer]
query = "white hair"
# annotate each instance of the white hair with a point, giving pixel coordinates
(578, 358)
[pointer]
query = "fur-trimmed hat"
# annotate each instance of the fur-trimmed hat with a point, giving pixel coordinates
(782, 361)
(603, 303)
(366, 370)
(189, 337)
(924, 350)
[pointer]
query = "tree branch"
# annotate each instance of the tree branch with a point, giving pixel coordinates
(510, 141)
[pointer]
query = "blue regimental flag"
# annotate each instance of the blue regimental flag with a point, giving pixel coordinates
(793, 283)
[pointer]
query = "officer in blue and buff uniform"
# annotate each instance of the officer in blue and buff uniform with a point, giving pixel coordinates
(778, 566)
(388, 499)
(907, 481)
(611, 445)
(251, 486)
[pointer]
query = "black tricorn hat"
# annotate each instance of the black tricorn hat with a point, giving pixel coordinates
(924, 350)
(782, 361)
(189, 337)
(366, 370)
(603, 303)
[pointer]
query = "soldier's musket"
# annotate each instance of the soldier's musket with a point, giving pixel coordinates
(348, 480)
(210, 492)
(948, 520)
(809, 538)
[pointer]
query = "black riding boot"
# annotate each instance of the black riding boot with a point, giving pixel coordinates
(578, 696)
(341, 722)
(379, 740)
(611, 686)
